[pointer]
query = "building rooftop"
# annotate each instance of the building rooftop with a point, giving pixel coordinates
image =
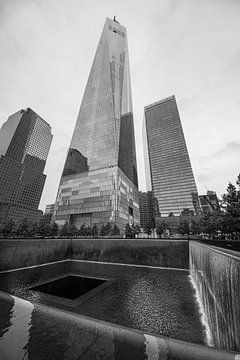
(163, 101)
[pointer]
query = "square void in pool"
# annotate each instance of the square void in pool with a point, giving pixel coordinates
(70, 287)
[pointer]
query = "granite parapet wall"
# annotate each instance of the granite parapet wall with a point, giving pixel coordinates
(18, 253)
(165, 253)
(216, 273)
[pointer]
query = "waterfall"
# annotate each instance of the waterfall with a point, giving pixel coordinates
(215, 273)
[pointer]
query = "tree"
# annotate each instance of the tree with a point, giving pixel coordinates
(1, 229)
(211, 223)
(227, 225)
(24, 229)
(115, 230)
(103, 230)
(226, 220)
(137, 229)
(72, 230)
(44, 230)
(33, 230)
(108, 228)
(195, 227)
(55, 229)
(94, 231)
(231, 208)
(47, 230)
(65, 230)
(161, 228)
(88, 231)
(9, 229)
(184, 228)
(148, 229)
(231, 200)
(129, 232)
(82, 230)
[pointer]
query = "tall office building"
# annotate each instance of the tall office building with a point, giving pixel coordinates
(99, 179)
(25, 139)
(147, 209)
(168, 168)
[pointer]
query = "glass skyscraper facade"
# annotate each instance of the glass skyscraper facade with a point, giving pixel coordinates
(25, 140)
(147, 208)
(168, 168)
(99, 179)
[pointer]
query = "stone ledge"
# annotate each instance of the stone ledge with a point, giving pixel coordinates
(57, 334)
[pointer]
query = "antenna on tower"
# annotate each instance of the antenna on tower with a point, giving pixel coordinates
(114, 19)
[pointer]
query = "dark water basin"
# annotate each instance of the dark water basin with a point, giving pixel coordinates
(154, 300)
(69, 287)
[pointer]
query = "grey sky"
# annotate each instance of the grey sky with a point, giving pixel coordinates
(190, 48)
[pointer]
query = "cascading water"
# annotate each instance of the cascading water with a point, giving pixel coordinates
(215, 274)
(203, 317)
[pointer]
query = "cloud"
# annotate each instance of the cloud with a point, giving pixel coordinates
(185, 48)
(230, 148)
(202, 178)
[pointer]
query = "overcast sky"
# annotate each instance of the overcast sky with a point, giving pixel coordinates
(190, 48)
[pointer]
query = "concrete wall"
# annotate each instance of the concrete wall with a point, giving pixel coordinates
(216, 273)
(23, 253)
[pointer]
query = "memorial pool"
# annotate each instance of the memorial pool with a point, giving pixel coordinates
(155, 300)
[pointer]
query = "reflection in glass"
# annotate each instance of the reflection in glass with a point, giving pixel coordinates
(76, 163)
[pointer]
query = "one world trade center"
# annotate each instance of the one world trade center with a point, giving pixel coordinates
(99, 180)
